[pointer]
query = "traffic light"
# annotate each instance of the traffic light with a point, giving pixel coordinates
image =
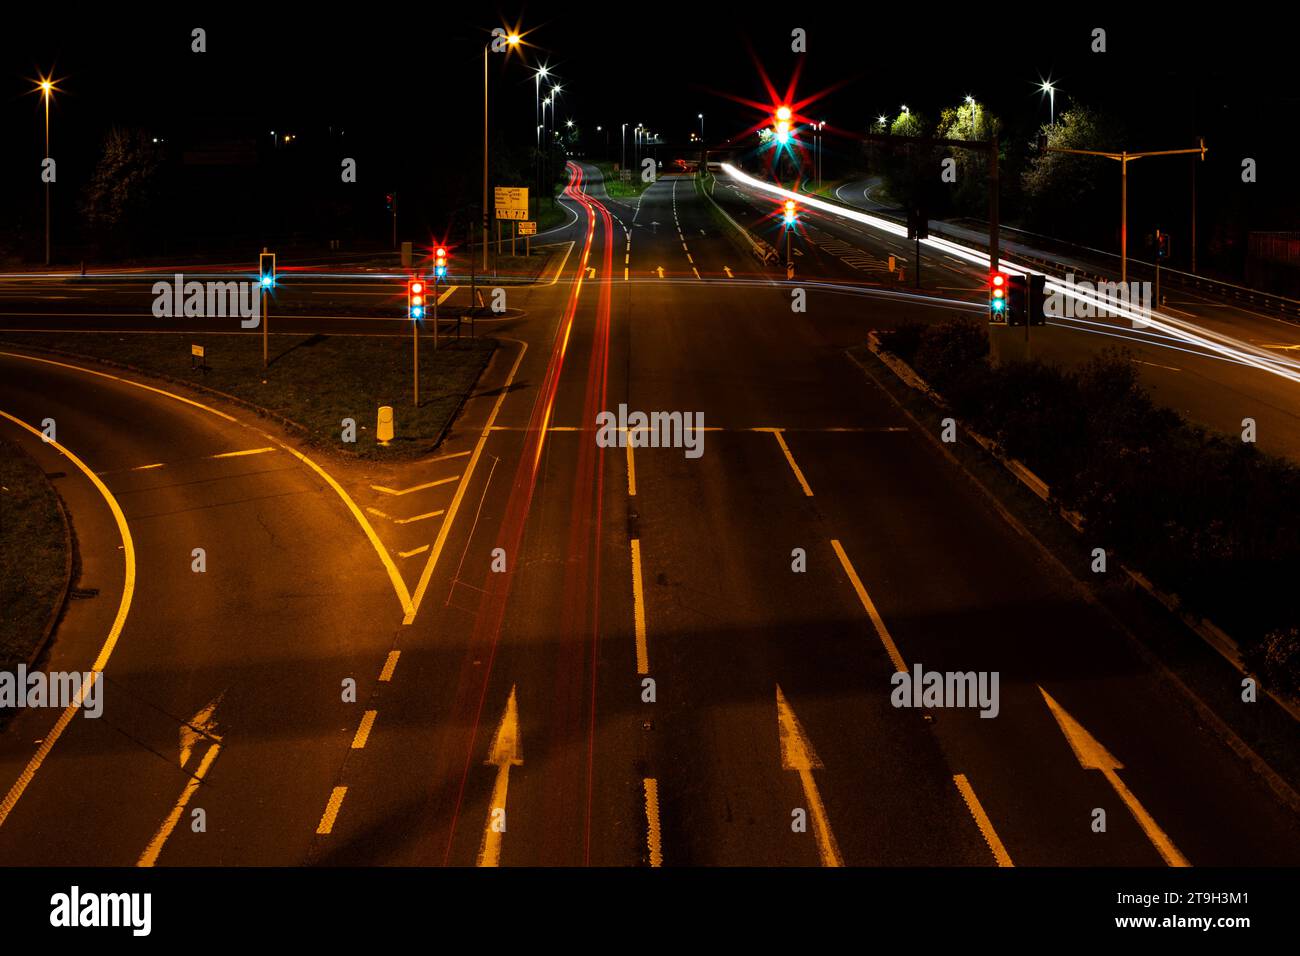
(1036, 300)
(998, 298)
(781, 127)
(415, 292)
(788, 216)
(439, 264)
(918, 224)
(266, 269)
(1017, 300)
(388, 201)
(1162, 244)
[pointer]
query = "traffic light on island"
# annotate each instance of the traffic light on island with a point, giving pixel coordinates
(998, 298)
(266, 270)
(439, 264)
(415, 293)
(788, 215)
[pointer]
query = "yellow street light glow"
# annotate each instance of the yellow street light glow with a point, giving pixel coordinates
(513, 39)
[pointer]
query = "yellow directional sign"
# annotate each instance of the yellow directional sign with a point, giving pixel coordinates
(528, 228)
(511, 202)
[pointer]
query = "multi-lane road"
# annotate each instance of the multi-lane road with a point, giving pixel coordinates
(567, 653)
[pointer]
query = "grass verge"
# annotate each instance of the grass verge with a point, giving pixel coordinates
(34, 555)
(313, 383)
(615, 188)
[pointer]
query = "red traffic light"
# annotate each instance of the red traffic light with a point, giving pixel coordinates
(416, 287)
(999, 280)
(440, 253)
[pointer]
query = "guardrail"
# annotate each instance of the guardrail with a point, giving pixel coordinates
(763, 249)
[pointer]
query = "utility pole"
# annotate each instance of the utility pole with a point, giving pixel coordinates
(1124, 158)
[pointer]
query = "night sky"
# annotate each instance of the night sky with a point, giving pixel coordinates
(402, 92)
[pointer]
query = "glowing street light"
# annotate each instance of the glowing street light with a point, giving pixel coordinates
(47, 88)
(1050, 90)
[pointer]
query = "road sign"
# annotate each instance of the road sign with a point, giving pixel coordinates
(196, 351)
(528, 228)
(511, 202)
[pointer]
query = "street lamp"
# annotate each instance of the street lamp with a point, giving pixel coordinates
(46, 88)
(538, 75)
(701, 118)
(512, 40)
(622, 141)
(1050, 90)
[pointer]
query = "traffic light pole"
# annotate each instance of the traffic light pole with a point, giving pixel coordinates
(485, 155)
(265, 345)
(1124, 158)
(415, 375)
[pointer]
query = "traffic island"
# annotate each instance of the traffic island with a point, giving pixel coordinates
(328, 388)
(35, 558)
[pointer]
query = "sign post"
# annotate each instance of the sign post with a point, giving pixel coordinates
(528, 229)
(266, 270)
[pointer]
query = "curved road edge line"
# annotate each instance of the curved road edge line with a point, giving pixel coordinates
(394, 576)
(105, 652)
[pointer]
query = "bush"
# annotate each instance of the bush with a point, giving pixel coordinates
(1277, 659)
(1204, 516)
(951, 351)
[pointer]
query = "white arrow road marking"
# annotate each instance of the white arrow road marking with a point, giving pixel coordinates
(198, 727)
(506, 752)
(661, 271)
(797, 754)
(727, 270)
(591, 272)
(1093, 756)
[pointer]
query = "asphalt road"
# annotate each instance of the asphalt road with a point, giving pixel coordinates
(620, 659)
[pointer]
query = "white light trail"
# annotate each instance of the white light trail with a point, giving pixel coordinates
(1188, 332)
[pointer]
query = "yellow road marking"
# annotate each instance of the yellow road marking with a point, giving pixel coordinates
(890, 647)
(150, 855)
(447, 457)
(424, 517)
(331, 813)
(394, 576)
(982, 820)
(446, 295)
(390, 665)
(625, 273)
(147, 467)
(363, 731)
(114, 631)
(407, 491)
(638, 610)
(727, 270)
(124, 381)
(797, 754)
(696, 271)
(410, 554)
(780, 439)
(427, 573)
(241, 454)
(631, 472)
(652, 821)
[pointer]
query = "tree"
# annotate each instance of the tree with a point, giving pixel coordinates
(122, 196)
(1065, 188)
(969, 121)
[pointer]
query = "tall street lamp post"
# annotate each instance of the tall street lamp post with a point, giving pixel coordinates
(511, 40)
